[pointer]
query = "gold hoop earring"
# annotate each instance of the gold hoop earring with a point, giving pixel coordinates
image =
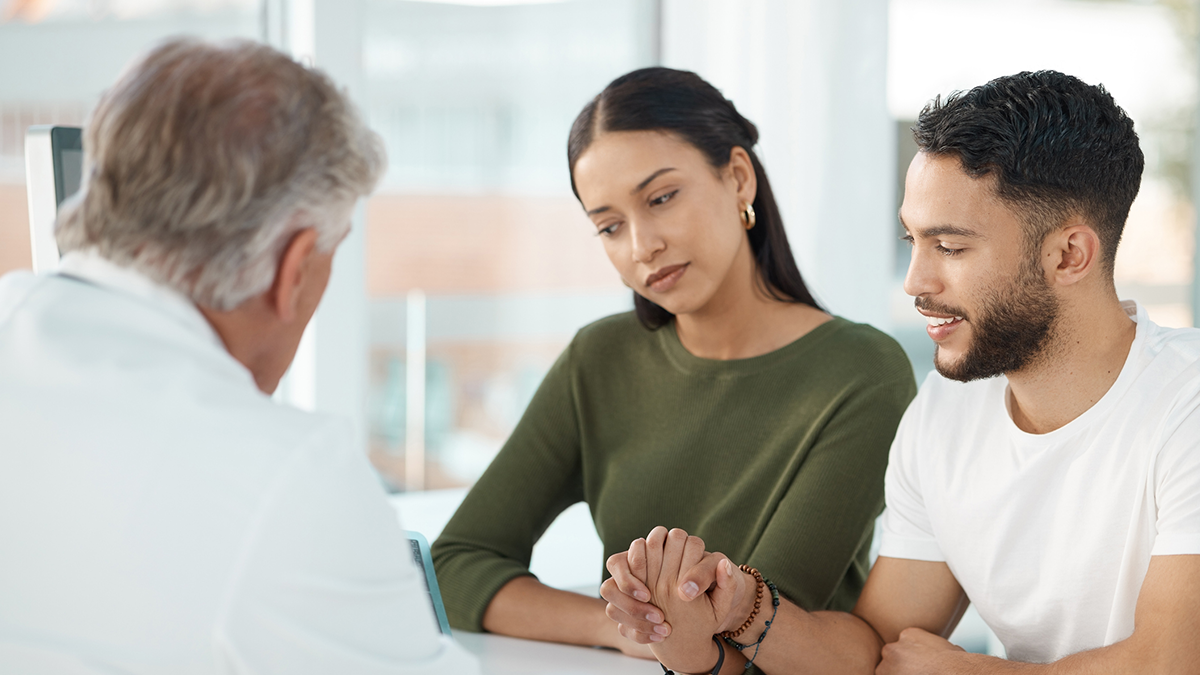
(748, 217)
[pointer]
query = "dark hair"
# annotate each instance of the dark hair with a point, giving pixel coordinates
(682, 103)
(1057, 146)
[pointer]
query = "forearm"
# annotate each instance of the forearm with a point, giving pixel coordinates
(1122, 658)
(527, 608)
(800, 643)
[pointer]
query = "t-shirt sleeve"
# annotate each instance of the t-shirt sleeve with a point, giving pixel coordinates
(906, 528)
(327, 583)
(536, 475)
(1177, 491)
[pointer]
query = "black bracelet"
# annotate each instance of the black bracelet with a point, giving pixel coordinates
(715, 669)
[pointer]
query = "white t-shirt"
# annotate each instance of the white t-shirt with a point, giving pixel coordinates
(160, 515)
(1050, 535)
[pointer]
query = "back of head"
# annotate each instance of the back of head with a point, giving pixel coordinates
(682, 103)
(204, 159)
(1057, 147)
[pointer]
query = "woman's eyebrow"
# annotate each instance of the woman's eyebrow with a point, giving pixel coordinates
(640, 186)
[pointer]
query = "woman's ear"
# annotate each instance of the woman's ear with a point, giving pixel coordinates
(742, 171)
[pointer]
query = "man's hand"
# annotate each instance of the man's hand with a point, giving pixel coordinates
(919, 652)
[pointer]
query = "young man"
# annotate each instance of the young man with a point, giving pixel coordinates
(159, 513)
(1049, 471)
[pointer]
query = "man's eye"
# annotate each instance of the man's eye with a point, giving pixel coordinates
(907, 238)
(948, 252)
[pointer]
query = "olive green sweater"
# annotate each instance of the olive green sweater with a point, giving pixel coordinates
(776, 461)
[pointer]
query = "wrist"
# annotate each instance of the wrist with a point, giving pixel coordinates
(745, 607)
(695, 660)
(606, 632)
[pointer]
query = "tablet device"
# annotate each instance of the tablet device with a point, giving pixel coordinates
(53, 171)
(424, 561)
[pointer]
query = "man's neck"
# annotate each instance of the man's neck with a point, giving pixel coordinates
(1089, 350)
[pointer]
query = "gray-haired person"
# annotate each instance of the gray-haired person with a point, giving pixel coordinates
(158, 512)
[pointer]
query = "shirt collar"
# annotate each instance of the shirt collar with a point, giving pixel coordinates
(93, 268)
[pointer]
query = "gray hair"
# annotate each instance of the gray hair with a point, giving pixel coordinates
(204, 160)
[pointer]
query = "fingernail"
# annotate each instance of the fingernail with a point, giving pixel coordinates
(690, 589)
(656, 637)
(653, 617)
(662, 630)
(642, 595)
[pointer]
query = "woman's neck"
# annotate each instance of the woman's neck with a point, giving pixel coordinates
(742, 321)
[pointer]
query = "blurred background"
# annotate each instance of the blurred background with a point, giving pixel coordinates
(472, 265)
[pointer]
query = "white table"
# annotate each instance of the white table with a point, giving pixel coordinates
(499, 655)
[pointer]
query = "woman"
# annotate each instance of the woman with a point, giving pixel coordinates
(728, 404)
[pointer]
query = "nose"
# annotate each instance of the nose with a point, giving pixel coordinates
(922, 278)
(647, 242)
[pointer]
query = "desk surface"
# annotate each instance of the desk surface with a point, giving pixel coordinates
(499, 655)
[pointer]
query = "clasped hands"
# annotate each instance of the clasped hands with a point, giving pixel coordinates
(667, 592)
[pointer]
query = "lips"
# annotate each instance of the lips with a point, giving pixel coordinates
(941, 326)
(666, 277)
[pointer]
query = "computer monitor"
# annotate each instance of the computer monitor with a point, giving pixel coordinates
(53, 171)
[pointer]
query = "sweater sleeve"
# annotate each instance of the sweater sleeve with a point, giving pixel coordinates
(536, 476)
(833, 501)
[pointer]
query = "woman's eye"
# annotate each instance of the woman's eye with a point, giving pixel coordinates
(607, 231)
(663, 199)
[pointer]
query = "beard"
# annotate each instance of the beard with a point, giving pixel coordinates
(1011, 330)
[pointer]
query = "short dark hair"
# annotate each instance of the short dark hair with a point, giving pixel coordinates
(1057, 146)
(682, 103)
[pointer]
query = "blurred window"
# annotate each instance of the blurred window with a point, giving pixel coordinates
(480, 263)
(58, 56)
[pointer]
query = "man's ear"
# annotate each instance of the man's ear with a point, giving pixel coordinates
(290, 275)
(1072, 253)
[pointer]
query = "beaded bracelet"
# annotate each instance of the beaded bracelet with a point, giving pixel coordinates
(757, 603)
(757, 643)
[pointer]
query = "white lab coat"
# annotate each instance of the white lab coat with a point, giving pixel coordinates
(159, 514)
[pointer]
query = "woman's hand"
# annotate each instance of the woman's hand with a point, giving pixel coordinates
(628, 596)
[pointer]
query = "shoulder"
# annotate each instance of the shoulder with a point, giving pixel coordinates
(615, 326)
(863, 349)
(611, 336)
(1173, 350)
